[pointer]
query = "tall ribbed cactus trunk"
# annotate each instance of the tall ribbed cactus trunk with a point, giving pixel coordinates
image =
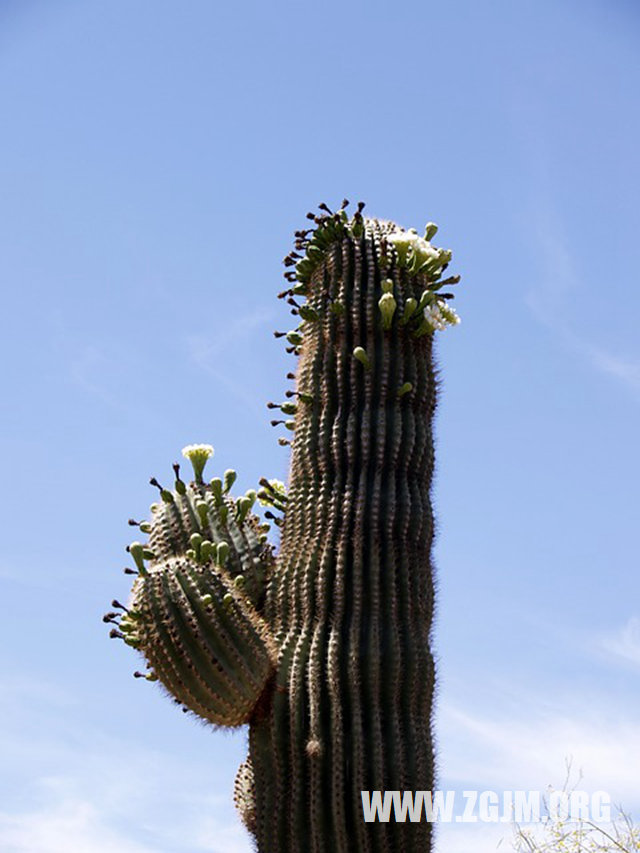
(323, 649)
(352, 603)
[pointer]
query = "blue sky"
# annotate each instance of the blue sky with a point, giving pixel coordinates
(155, 159)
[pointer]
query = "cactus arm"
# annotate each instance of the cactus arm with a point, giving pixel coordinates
(203, 641)
(194, 612)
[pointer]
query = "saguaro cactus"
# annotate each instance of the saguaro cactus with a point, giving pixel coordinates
(323, 649)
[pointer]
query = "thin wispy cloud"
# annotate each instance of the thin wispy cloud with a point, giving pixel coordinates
(63, 825)
(68, 819)
(624, 644)
(69, 785)
(213, 353)
(87, 367)
(550, 303)
(539, 750)
(562, 282)
(628, 371)
(529, 751)
(111, 795)
(230, 337)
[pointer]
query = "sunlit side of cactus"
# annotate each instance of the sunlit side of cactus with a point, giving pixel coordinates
(324, 649)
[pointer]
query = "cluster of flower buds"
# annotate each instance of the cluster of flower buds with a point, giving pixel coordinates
(416, 254)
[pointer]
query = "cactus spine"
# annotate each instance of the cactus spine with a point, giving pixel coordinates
(323, 650)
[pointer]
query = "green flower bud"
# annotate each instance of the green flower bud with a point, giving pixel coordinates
(410, 307)
(206, 550)
(222, 553)
(406, 388)
(425, 299)
(136, 550)
(203, 512)
(216, 490)
(243, 505)
(309, 314)
(304, 268)
(337, 308)
(357, 227)
(444, 256)
(387, 306)
(361, 355)
(294, 338)
(430, 230)
(229, 479)
(387, 285)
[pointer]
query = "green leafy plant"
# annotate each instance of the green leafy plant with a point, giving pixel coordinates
(323, 649)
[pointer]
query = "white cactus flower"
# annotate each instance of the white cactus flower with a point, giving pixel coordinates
(198, 454)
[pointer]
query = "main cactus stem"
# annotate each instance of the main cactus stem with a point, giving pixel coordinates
(323, 650)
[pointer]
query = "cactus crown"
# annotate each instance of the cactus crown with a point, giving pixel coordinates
(404, 251)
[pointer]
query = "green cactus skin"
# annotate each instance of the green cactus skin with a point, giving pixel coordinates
(324, 650)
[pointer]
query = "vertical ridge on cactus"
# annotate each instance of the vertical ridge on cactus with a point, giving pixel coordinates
(330, 640)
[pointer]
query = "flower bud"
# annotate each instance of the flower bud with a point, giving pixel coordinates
(216, 490)
(222, 553)
(229, 479)
(387, 306)
(410, 306)
(361, 355)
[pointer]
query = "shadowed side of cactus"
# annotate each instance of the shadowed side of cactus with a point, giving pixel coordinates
(329, 642)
